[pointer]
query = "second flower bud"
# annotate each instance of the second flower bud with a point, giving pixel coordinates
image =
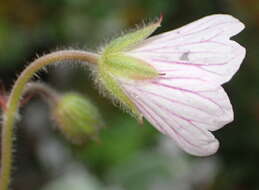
(77, 118)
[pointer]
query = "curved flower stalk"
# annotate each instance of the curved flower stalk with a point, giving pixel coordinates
(11, 105)
(174, 79)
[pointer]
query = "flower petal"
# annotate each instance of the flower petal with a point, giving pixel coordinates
(200, 49)
(184, 109)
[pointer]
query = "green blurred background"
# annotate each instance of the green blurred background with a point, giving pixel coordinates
(128, 156)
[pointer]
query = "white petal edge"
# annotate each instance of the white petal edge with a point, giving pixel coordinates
(185, 114)
(202, 48)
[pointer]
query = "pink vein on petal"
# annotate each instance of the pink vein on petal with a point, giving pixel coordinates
(158, 124)
(173, 100)
(187, 44)
(164, 120)
(190, 121)
(192, 33)
(182, 78)
(189, 63)
(188, 91)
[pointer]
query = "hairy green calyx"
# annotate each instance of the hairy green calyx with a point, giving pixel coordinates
(115, 64)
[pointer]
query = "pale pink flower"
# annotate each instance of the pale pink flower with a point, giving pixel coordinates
(187, 102)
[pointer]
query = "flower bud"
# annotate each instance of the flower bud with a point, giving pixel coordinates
(77, 118)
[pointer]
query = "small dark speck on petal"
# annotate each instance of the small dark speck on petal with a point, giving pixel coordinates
(184, 56)
(162, 74)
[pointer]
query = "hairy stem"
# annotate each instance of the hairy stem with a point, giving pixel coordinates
(14, 101)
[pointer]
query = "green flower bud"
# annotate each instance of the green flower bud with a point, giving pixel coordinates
(115, 64)
(77, 118)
